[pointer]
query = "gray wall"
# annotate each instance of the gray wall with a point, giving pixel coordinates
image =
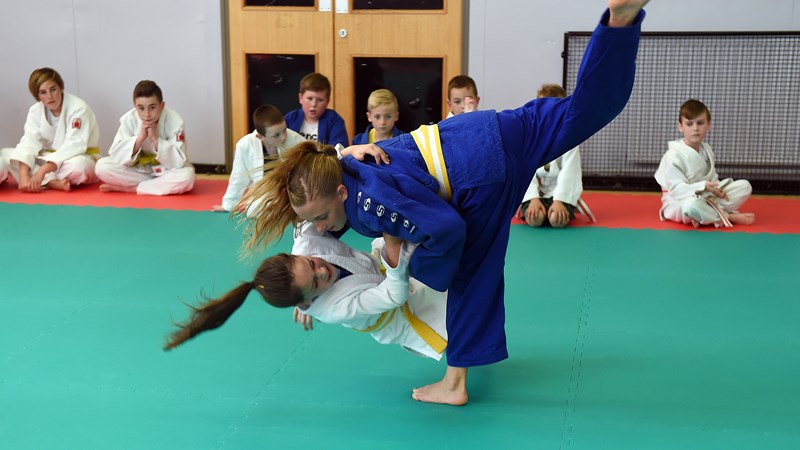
(103, 47)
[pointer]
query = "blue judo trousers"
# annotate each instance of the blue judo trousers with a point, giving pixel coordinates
(491, 158)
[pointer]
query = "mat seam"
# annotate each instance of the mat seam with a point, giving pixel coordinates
(577, 352)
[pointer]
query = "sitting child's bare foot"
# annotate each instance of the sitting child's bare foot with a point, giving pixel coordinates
(742, 218)
(695, 223)
(105, 187)
(441, 392)
(60, 185)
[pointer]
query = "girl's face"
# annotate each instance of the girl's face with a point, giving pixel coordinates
(313, 276)
(52, 96)
(326, 213)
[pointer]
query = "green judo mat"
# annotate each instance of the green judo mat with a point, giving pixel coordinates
(619, 339)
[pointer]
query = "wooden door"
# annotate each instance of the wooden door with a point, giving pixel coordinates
(273, 31)
(407, 35)
(335, 35)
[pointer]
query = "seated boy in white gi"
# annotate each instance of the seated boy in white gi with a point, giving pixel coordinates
(557, 186)
(269, 139)
(337, 284)
(692, 190)
(60, 144)
(148, 155)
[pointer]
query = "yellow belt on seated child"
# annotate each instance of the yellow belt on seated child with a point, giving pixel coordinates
(94, 151)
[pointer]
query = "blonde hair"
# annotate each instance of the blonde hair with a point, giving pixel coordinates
(307, 171)
(382, 97)
(551, 90)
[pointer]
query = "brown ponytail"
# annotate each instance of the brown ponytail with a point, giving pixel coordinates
(212, 314)
(306, 171)
(274, 280)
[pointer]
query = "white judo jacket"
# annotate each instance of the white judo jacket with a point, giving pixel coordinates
(171, 142)
(562, 180)
(683, 172)
(75, 133)
(359, 300)
(248, 162)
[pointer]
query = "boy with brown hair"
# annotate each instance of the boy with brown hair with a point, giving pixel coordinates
(692, 190)
(313, 120)
(148, 155)
(269, 139)
(462, 95)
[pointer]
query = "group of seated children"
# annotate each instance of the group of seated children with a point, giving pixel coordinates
(60, 149)
(60, 145)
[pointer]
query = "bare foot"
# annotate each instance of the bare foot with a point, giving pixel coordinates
(695, 223)
(439, 392)
(451, 390)
(742, 218)
(115, 188)
(60, 185)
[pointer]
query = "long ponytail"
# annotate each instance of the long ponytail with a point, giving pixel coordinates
(209, 315)
(274, 280)
(304, 172)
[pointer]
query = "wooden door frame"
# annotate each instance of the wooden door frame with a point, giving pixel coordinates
(450, 69)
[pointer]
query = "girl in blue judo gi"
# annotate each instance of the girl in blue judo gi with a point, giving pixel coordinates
(453, 188)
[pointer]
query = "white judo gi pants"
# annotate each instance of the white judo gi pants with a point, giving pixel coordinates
(172, 181)
(78, 170)
(699, 208)
(3, 168)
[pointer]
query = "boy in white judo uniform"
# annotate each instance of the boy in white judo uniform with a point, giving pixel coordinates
(269, 139)
(148, 155)
(60, 144)
(328, 280)
(692, 190)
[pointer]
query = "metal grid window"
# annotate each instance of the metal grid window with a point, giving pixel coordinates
(750, 83)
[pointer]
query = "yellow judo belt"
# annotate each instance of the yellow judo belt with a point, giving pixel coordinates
(430, 146)
(423, 330)
(146, 160)
(94, 151)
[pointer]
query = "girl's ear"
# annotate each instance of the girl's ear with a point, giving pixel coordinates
(341, 191)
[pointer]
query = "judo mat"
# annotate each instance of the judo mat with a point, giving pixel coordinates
(205, 194)
(612, 209)
(619, 339)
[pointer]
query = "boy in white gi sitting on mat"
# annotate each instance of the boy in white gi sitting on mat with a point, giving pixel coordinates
(148, 155)
(692, 190)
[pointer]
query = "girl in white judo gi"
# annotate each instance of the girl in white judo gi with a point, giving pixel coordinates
(269, 139)
(692, 190)
(334, 283)
(60, 144)
(148, 155)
